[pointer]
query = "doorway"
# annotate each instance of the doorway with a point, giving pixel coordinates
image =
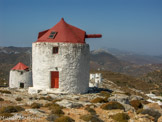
(54, 79)
(21, 85)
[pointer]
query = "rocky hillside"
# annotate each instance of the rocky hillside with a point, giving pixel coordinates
(128, 83)
(100, 59)
(103, 60)
(109, 103)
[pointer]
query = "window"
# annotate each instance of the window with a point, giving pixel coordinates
(55, 50)
(52, 35)
(21, 85)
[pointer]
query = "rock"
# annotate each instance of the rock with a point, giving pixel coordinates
(121, 98)
(35, 111)
(53, 96)
(128, 107)
(160, 119)
(17, 116)
(153, 106)
(135, 97)
(69, 104)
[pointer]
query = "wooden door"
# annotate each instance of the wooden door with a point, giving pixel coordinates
(54, 79)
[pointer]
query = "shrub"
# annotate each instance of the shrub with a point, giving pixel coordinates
(1, 99)
(64, 119)
(90, 118)
(6, 115)
(18, 99)
(152, 113)
(36, 105)
(11, 109)
(58, 111)
(112, 105)
(98, 100)
(105, 93)
(90, 110)
(120, 117)
(139, 111)
(136, 104)
(46, 98)
(52, 117)
(5, 91)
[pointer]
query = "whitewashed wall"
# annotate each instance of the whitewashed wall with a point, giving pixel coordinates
(16, 78)
(72, 62)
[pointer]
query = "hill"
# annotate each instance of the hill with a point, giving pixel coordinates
(99, 59)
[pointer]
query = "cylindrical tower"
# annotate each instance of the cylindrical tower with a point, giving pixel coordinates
(60, 60)
(20, 76)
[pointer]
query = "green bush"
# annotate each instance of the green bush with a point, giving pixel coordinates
(64, 119)
(112, 105)
(90, 118)
(11, 109)
(18, 99)
(90, 110)
(6, 115)
(152, 113)
(98, 100)
(120, 117)
(36, 105)
(136, 104)
(5, 91)
(105, 94)
(1, 99)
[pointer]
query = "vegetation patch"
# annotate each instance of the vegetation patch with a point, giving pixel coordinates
(136, 104)
(1, 99)
(18, 99)
(105, 94)
(152, 113)
(58, 111)
(90, 110)
(46, 98)
(5, 91)
(5, 115)
(36, 105)
(120, 117)
(98, 100)
(11, 109)
(52, 117)
(90, 118)
(112, 105)
(64, 119)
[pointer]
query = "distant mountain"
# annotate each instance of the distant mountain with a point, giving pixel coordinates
(103, 60)
(135, 58)
(10, 56)
(99, 59)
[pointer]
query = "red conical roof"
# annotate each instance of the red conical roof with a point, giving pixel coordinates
(64, 33)
(20, 66)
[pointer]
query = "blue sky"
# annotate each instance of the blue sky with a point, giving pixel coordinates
(134, 25)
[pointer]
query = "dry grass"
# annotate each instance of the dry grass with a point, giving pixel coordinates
(120, 117)
(11, 109)
(112, 105)
(5, 91)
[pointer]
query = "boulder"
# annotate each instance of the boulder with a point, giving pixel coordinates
(69, 104)
(128, 107)
(135, 97)
(121, 98)
(153, 106)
